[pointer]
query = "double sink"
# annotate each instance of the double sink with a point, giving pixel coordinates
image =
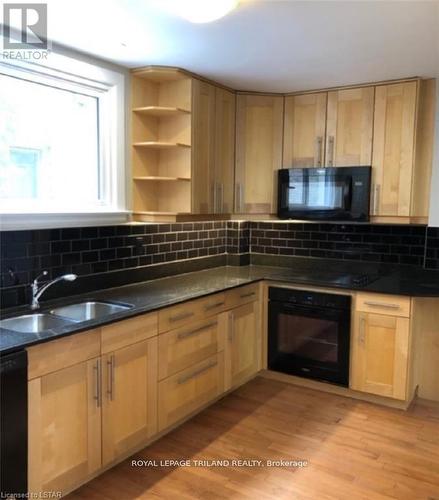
(62, 316)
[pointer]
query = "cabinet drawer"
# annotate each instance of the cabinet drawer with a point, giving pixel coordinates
(242, 295)
(186, 346)
(129, 331)
(188, 312)
(185, 392)
(392, 305)
(68, 351)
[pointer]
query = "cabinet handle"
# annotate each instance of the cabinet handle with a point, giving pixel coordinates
(181, 316)
(184, 335)
(110, 374)
(231, 326)
(376, 198)
(245, 295)
(186, 378)
(331, 151)
(97, 394)
(383, 304)
(221, 197)
(215, 201)
(213, 306)
(319, 155)
(362, 336)
(239, 197)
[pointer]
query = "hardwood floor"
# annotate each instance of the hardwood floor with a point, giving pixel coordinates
(355, 450)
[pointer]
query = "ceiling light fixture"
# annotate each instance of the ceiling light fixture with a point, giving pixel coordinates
(199, 11)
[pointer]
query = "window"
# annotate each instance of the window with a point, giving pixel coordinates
(61, 141)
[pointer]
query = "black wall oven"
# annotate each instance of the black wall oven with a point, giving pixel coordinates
(308, 334)
(332, 193)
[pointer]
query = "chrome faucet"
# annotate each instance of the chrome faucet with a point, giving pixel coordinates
(38, 291)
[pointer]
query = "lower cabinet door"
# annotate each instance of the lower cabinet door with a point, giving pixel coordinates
(243, 345)
(380, 355)
(64, 427)
(186, 391)
(129, 392)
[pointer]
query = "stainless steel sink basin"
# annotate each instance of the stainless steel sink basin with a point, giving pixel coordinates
(34, 323)
(85, 311)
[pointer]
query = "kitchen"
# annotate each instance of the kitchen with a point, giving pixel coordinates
(238, 292)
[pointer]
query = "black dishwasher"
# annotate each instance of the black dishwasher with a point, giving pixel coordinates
(13, 424)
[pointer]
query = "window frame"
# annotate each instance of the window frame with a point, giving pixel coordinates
(108, 86)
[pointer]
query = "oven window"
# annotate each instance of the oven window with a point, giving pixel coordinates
(317, 192)
(308, 338)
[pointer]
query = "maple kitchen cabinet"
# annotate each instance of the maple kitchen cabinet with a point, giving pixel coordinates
(243, 343)
(224, 164)
(402, 151)
(203, 155)
(213, 149)
(332, 129)
(304, 130)
(259, 133)
(129, 413)
(349, 127)
(64, 407)
(87, 410)
(381, 345)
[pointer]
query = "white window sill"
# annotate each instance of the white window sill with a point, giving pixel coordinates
(15, 222)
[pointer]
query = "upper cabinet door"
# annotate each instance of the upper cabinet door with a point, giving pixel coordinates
(259, 134)
(224, 151)
(304, 132)
(393, 148)
(203, 121)
(349, 127)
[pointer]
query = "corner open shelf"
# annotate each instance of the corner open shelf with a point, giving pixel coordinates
(161, 143)
(157, 178)
(160, 111)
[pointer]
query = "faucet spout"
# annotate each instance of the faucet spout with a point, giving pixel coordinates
(38, 291)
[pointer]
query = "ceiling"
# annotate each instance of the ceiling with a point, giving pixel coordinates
(277, 45)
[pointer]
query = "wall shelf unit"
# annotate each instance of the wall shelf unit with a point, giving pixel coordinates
(157, 178)
(162, 134)
(160, 111)
(160, 145)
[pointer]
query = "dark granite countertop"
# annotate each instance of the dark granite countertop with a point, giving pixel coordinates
(159, 293)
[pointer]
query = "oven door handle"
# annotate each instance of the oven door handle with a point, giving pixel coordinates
(315, 311)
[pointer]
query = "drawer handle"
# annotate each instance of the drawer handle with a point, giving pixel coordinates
(186, 378)
(213, 306)
(245, 295)
(382, 304)
(184, 335)
(181, 316)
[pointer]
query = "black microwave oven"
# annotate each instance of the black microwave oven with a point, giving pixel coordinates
(331, 193)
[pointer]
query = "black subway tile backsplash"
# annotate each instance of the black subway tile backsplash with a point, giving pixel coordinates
(97, 250)
(365, 242)
(94, 251)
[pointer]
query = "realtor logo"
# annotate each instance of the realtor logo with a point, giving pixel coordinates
(30, 19)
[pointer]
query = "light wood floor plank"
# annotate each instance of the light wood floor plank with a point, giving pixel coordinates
(356, 450)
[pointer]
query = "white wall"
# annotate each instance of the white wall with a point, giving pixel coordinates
(434, 197)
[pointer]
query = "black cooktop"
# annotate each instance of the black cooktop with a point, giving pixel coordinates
(332, 277)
